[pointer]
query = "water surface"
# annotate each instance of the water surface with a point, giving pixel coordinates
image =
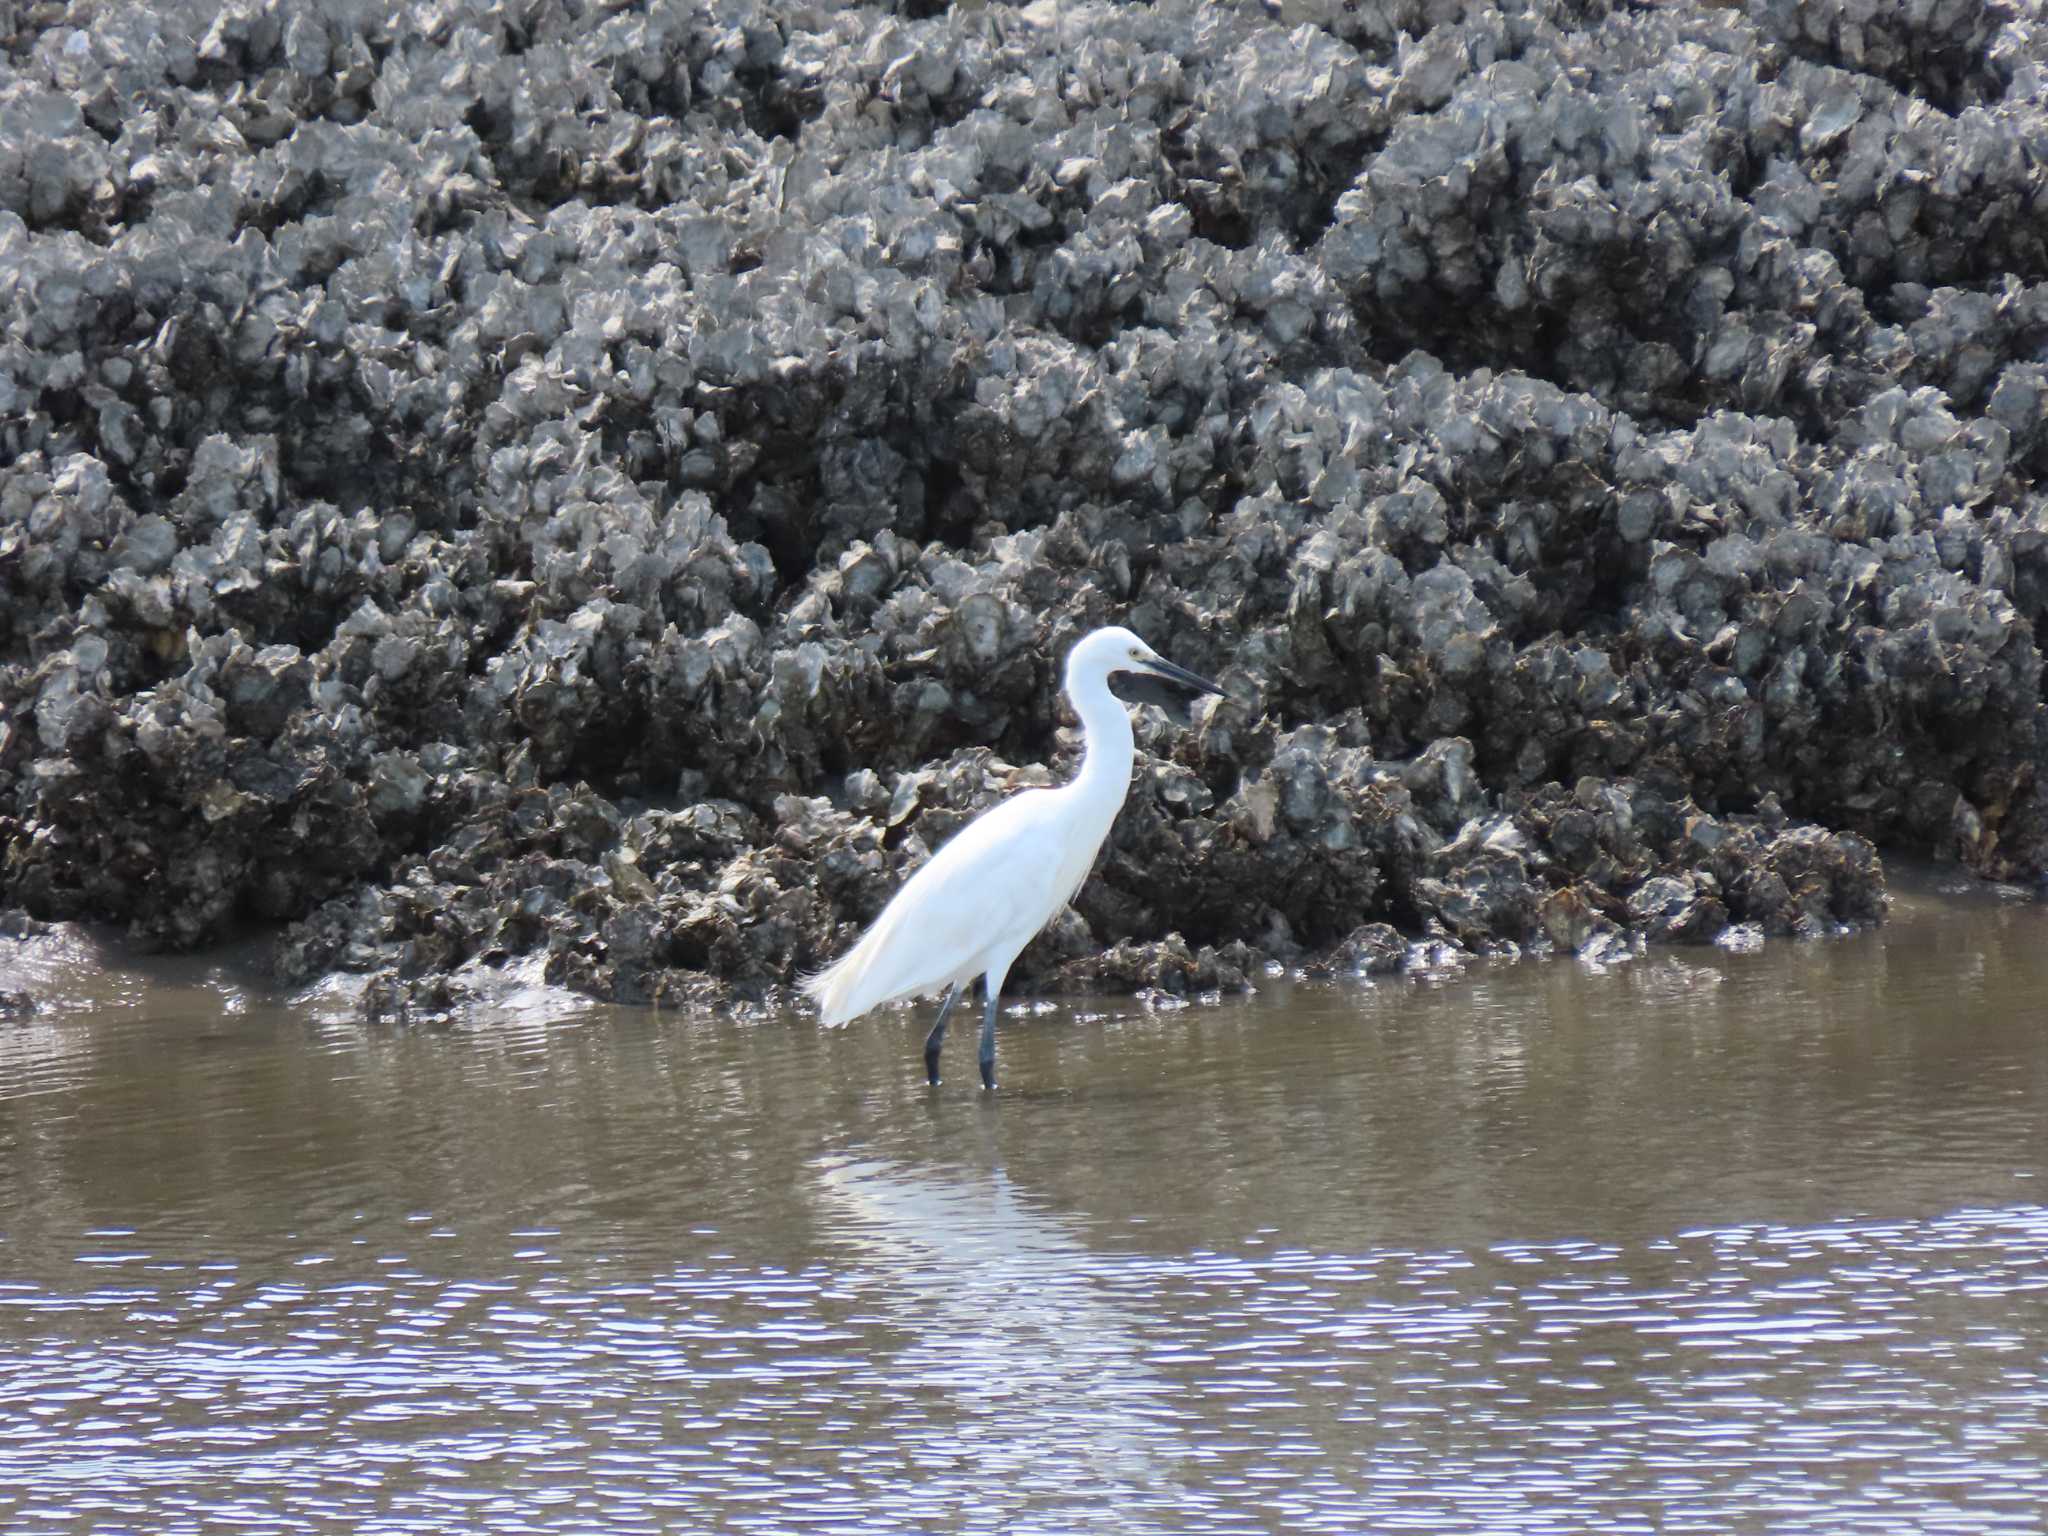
(1704, 1242)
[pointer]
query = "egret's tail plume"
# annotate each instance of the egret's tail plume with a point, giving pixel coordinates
(832, 989)
(875, 971)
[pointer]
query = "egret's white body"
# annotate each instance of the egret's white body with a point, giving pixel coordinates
(984, 896)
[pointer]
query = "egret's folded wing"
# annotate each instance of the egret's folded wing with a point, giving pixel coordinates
(986, 885)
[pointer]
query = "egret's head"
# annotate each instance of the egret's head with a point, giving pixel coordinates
(1116, 649)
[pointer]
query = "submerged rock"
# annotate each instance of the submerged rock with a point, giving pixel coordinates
(1371, 949)
(612, 489)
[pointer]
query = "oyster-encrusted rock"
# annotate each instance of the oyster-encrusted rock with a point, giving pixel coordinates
(615, 486)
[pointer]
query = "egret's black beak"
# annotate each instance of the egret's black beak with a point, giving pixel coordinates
(1159, 666)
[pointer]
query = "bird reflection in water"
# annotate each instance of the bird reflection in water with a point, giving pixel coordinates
(1012, 1315)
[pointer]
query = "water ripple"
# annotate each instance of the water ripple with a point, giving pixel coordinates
(970, 1361)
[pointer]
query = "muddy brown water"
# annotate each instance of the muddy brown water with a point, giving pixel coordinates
(1705, 1242)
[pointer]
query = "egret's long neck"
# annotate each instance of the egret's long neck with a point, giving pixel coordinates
(1105, 775)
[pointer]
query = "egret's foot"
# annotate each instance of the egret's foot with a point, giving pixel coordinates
(988, 1076)
(931, 1068)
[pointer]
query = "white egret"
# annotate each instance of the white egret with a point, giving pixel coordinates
(987, 892)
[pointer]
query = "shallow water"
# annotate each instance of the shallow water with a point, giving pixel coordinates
(1705, 1242)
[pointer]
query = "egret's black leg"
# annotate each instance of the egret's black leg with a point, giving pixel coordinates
(937, 1037)
(988, 1042)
